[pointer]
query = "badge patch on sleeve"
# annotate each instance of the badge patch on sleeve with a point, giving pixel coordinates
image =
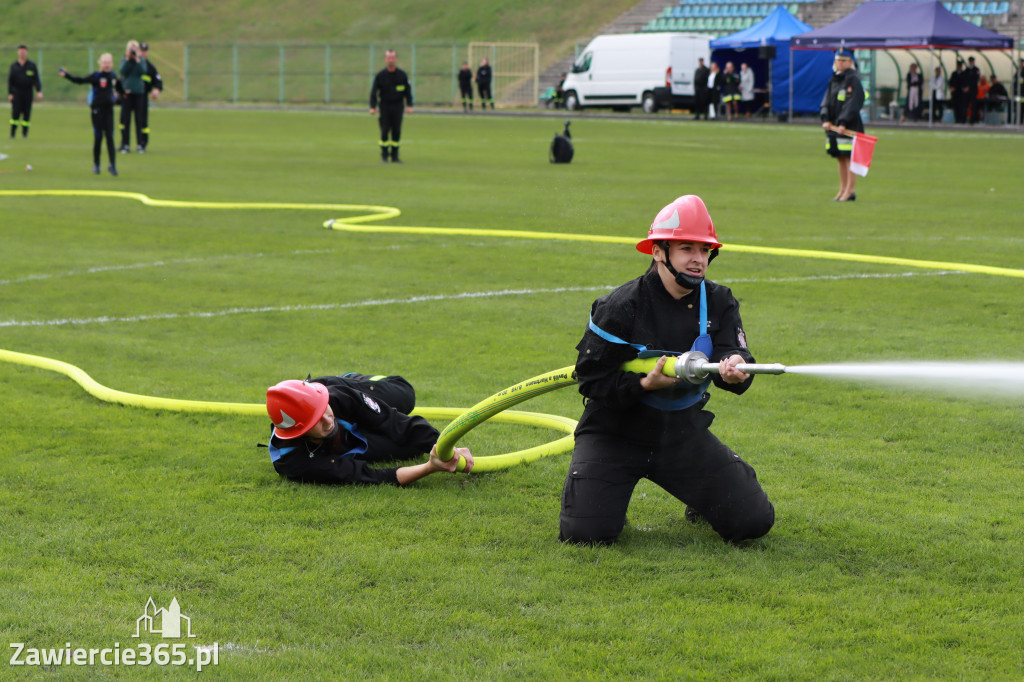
(741, 336)
(371, 403)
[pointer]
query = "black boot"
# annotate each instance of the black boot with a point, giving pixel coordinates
(394, 154)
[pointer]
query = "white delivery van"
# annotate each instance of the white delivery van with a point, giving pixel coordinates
(649, 70)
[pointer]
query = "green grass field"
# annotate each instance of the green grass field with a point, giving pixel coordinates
(897, 548)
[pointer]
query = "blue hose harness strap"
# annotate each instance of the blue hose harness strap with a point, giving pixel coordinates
(703, 344)
(277, 453)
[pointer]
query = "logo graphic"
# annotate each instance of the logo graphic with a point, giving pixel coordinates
(286, 421)
(371, 403)
(163, 622)
(670, 223)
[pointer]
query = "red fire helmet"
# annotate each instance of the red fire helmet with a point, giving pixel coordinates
(295, 406)
(684, 220)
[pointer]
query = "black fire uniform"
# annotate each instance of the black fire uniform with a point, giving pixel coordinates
(105, 88)
(132, 72)
(627, 433)
(841, 106)
(22, 79)
(394, 92)
(153, 81)
(700, 89)
(483, 84)
(957, 84)
(466, 88)
(372, 425)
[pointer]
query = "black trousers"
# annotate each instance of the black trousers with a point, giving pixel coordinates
(390, 126)
(21, 108)
(699, 470)
(701, 107)
(485, 92)
(102, 126)
(467, 92)
(133, 104)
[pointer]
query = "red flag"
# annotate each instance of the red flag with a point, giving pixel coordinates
(860, 157)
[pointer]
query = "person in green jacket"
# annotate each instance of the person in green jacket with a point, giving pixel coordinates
(133, 68)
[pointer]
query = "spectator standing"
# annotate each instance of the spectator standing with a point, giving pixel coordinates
(915, 85)
(132, 69)
(716, 81)
(102, 98)
(730, 90)
(154, 86)
(466, 87)
(1019, 91)
(483, 84)
(746, 90)
(938, 88)
(700, 89)
(23, 78)
(391, 87)
(840, 112)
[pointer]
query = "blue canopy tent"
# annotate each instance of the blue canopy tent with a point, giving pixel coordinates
(901, 25)
(811, 70)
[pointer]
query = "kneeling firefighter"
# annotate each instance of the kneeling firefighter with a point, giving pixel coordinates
(651, 425)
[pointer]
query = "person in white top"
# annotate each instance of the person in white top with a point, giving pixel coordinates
(746, 90)
(938, 88)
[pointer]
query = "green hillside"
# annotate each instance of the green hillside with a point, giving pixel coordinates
(553, 23)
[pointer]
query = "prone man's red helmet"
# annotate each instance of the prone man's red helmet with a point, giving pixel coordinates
(295, 406)
(684, 220)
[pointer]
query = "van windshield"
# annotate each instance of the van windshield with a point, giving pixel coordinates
(583, 63)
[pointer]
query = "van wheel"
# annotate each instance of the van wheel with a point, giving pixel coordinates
(572, 102)
(649, 105)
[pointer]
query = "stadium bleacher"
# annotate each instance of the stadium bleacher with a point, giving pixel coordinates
(721, 17)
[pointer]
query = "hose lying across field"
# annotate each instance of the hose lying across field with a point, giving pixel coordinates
(463, 420)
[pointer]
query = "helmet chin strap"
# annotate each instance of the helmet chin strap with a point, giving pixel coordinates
(682, 279)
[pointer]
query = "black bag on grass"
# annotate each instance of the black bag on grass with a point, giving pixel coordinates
(561, 147)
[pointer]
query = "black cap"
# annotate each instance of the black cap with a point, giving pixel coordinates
(143, 46)
(23, 46)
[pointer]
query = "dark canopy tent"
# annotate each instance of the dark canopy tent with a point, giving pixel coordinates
(811, 70)
(901, 25)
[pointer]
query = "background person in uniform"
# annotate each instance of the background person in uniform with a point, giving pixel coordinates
(973, 79)
(483, 84)
(746, 90)
(466, 86)
(331, 429)
(840, 111)
(24, 76)
(650, 425)
(700, 89)
(101, 103)
(958, 92)
(154, 86)
(391, 88)
(132, 69)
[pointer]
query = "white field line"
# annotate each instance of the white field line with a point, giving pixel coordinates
(152, 264)
(61, 322)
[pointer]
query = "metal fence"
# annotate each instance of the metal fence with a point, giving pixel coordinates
(296, 73)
